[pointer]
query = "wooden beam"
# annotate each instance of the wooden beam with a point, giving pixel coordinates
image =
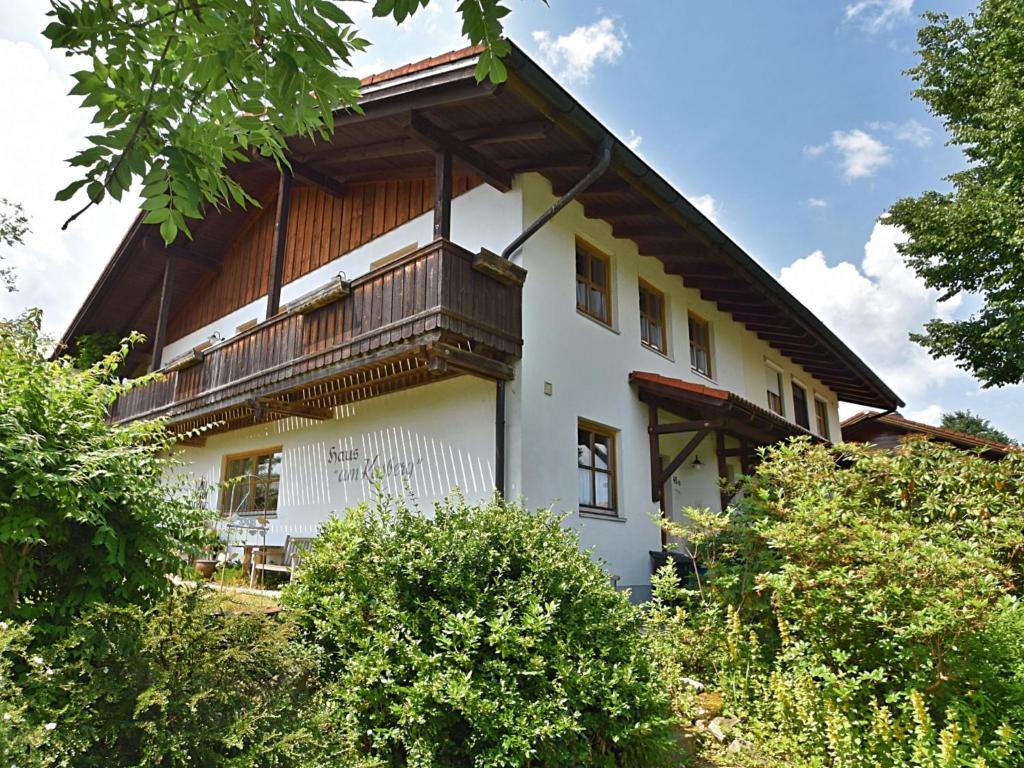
(284, 202)
(657, 491)
(443, 195)
(606, 185)
(311, 175)
(201, 260)
(599, 209)
(262, 406)
(439, 140)
(444, 357)
(682, 456)
(682, 426)
(646, 231)
(163, 314)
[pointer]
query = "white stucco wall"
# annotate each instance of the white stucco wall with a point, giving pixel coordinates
(429, 440)
(447, 429)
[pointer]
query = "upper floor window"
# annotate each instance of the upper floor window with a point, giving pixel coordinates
(700, 345)
(593, 284)
(595, 450)
(821, 416)
(800, 413)
(773, 377)
(253, 483)
(652, 318)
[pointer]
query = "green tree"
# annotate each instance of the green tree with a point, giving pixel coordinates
(972, 424)
(182, 89)
(971, 238)
(85, 513)
(13, 228)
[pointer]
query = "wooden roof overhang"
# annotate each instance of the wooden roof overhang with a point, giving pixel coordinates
(528, 124)
(865, 426)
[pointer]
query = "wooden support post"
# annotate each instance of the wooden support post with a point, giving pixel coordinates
(284, 202)
(657, 491)
(443, 194)
(723, 468)
(160, 335)
(683, 455)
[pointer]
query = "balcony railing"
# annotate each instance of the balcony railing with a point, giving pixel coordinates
(437, 311)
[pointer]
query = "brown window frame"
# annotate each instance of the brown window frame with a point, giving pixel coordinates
(588, 281)
(796, 407)
(780, 398)
(252, 479)
(647, 319)
(582, 425)
(821, 417)
(693, 317)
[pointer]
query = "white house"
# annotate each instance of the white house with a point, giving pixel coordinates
(365, 319)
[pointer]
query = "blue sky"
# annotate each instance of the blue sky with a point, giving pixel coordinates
(790, 123)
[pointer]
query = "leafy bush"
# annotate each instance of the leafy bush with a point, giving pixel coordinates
(860, 606)
(480, 637)
(179, 684)
(85, 513)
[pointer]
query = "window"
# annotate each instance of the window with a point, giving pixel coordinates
(700, 345)
(652, 318)
(821, 416)
(595, 448)
(593, 280)
(800, 414)
(774, 379)
(254, 481)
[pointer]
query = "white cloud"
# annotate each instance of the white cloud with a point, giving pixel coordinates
(572, 57)
(909, 132)
(930, 414)
(707, 205)
(860, 154)
(634, 140)
(876, 15)
(817, 202)
(873, 307)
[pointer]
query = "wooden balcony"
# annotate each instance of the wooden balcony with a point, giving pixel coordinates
(437, 312)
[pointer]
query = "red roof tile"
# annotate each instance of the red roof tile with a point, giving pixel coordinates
(419, 66)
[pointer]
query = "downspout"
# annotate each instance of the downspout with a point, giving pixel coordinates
(499, 400)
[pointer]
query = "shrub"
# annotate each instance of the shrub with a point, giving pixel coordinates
(480, 637)
(860, 606)
(85, 513)
(182, 683)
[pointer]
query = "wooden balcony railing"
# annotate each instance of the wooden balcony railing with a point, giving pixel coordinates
(437, 311)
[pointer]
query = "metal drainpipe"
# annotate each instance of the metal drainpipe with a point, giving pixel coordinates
(499, 400)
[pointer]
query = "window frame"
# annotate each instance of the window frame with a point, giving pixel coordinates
(692, 316)
(594, 253)
(662, 323)
(612, 511)
(252, 480)
(797, 384)
(780, 379)
(821, 420)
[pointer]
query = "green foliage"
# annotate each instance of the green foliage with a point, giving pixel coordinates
(860, 607)
(971, 239)
(972, 424)
(181, 89)
(13, 228)
(179, 684)
(480, 637)
(91, 348)
(85, 514)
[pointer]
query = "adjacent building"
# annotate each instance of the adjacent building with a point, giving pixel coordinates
(470, 287)
(887, 430)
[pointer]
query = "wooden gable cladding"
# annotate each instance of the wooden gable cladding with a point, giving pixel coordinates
(321, 227)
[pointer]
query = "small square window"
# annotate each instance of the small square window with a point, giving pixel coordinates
(700, 345)
(652, 318)
(593, 284)
(800, 415)
(252, 483)
(821, 417)
(595, 460)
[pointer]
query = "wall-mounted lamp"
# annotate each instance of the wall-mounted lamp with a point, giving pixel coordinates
(697, 464)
